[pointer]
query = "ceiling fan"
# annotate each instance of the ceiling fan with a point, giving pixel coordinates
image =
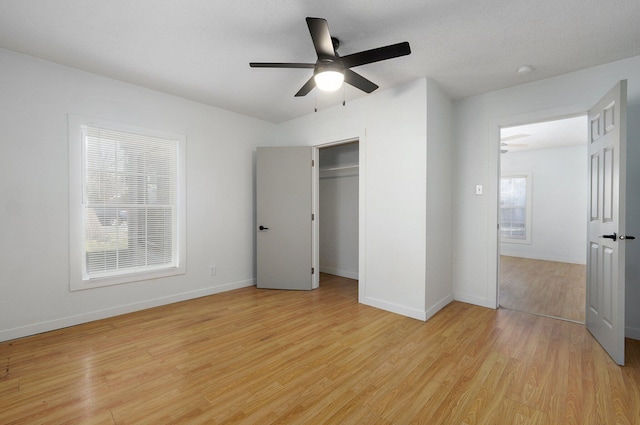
(505, 142)
(331, 70)
(504, 146)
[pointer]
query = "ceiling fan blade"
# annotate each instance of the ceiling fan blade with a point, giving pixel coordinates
(319, 30)
(308, 86)
(358, 81)
(281, 65)
(376, 55)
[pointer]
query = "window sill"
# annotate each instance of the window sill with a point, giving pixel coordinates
(99, 282)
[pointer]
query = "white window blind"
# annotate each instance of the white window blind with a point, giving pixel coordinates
(515, 208)
(129, 202)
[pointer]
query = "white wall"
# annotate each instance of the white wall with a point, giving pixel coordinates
(476, 156)
(559, 203)
(633, 223)
(411, 228)
(35, 98)
(391, 127)
(439, 212)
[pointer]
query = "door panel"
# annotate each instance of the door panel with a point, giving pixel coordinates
(595, 169)
(284, 208)
(608, 182)
(592, 296)
(606, 259)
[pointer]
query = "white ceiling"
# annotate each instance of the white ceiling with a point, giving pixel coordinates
(545, 135)
(201, 49)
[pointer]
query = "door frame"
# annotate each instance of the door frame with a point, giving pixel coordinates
(325, 143)
(494, 127)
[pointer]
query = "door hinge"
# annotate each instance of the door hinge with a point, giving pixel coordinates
(313, 217)
(313, 271)
(313, 163)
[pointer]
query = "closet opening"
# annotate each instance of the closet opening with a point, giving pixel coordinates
(338, 213)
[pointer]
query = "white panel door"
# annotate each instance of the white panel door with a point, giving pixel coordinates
(284, 218)
(606, 240)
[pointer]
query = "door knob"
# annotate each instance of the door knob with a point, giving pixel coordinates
(622, 238)
(612, 236)
(263, 228)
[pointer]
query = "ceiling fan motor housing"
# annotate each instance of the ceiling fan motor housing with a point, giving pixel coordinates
(332, 64)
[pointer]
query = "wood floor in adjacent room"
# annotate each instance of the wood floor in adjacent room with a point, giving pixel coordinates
(254, 356)
(543, 287)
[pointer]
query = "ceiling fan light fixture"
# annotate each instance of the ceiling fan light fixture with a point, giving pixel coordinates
(329, 80)
(329, 77)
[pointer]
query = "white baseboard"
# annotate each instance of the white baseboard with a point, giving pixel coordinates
(431, 311)
(632, 333)
(63, 322)
(408, 311)
(470, 299)
(581, 261)
(341, 273)
(394, 308)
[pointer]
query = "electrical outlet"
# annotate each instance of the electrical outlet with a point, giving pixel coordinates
(212, 270)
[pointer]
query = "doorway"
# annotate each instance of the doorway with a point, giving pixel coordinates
(338, 212)
(542, 215)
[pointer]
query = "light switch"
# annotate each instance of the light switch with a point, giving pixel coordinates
(478, 189)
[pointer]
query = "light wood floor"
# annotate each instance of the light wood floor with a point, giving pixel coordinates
(543, 287)
(255, 356)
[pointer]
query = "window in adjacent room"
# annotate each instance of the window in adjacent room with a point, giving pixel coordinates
(515, 208)
(127, 204)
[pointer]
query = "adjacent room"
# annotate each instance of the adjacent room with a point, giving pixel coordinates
(543, 221)
(196, 230)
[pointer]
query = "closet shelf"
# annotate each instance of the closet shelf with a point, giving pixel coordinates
(342, 167)
(339, 171)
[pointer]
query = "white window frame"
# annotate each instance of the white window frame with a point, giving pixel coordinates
(77, 255)
(528, 217)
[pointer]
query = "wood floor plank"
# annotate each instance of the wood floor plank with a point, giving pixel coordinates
(549, 288)
(260, 356)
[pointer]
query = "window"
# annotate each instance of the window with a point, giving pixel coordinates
(127, 208)
(515, 208)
